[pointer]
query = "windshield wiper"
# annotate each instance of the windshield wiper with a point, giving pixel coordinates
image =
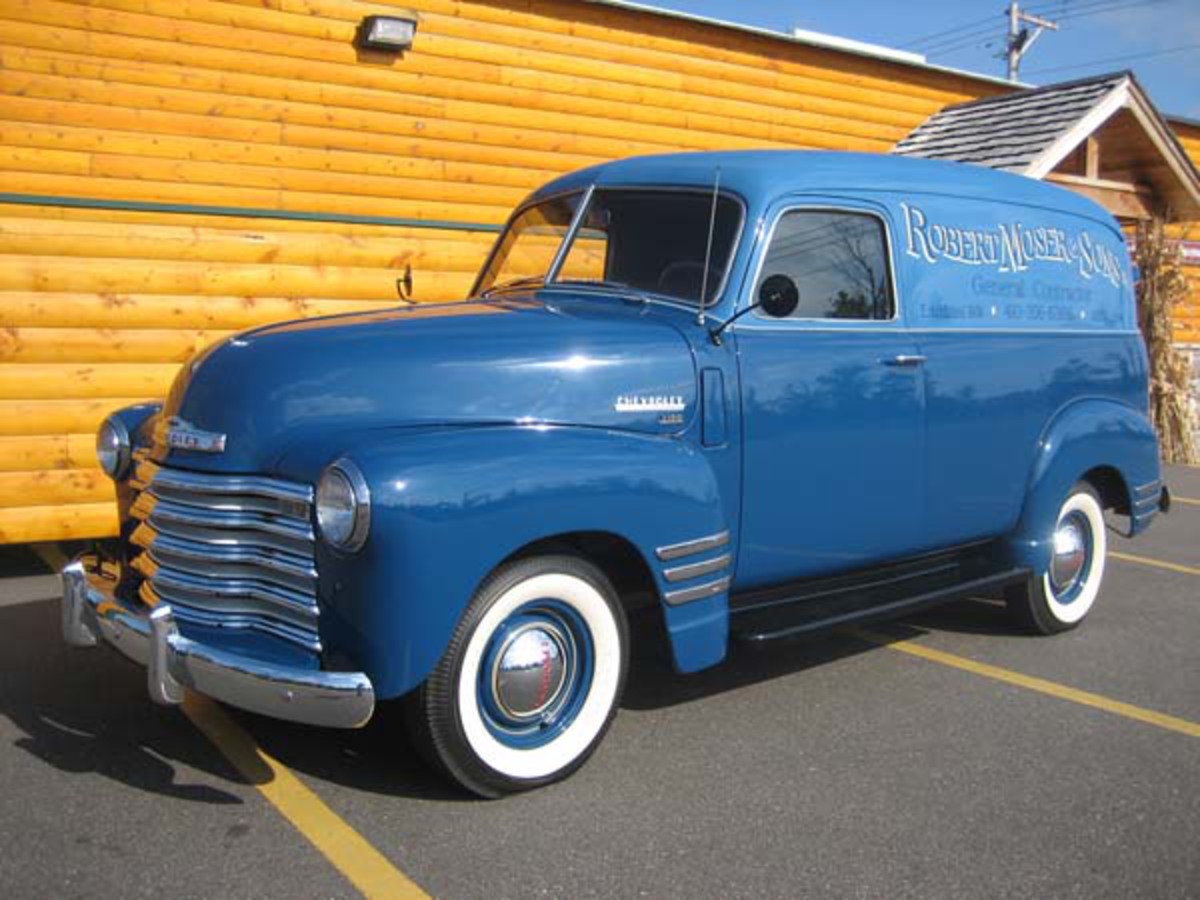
(512, 283)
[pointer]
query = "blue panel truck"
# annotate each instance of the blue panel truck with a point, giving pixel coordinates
(767, 393)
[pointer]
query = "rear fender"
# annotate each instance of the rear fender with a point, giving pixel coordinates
(1084, 436)
(449, 505)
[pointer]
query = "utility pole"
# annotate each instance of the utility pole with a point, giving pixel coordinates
(1019, 37)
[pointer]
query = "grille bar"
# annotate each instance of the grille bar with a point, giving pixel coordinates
(204, 483)
(149, 507)
(227, 551)
(234, 620)
(217, 553)
(223, 587)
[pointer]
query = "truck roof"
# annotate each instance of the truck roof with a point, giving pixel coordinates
(760, 175)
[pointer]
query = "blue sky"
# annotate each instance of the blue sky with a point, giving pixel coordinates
(1158, 39)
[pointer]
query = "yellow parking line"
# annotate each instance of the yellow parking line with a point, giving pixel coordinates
(1041, 685)
(1157, 563)
(1188, 500)
(365, 867)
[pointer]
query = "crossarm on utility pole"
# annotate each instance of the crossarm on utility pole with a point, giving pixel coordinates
(1019, 38)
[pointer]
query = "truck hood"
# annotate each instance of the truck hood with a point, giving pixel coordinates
(598, 362)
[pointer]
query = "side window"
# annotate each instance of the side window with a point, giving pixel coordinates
(838, 261)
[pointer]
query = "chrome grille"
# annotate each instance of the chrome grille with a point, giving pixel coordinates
(231, 551)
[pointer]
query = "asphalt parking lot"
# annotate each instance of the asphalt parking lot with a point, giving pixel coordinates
(945, 755)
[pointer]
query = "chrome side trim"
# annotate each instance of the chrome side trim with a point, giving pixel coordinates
(695, 570)
(1150, 487)
(690, 548)
(173, 662)
(711, 589)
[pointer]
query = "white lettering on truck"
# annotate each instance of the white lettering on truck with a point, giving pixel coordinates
(1008, 248)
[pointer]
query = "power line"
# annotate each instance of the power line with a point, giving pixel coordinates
(1113, 59)
(969, 40)
(967, 37)
(949, 31)
(1112, 6)
(983, 32)
(1067, 10)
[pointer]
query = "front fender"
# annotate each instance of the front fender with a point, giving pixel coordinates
(1086, 435)
(448, 505)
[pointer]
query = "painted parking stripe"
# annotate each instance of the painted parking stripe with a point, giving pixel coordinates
(349, 852)
(1156, 563)
(1040, 685)
(1190, 501)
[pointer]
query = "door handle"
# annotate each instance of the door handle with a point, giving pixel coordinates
(904, 360)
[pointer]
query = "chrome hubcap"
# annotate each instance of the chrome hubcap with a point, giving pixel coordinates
(1070, 554)
(530, 670)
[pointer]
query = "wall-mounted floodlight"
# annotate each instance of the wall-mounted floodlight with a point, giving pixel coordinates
(393, 34)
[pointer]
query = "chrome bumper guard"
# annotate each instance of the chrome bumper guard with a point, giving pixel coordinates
(91, 611)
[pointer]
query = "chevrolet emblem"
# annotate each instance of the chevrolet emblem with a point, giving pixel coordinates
(183, 435)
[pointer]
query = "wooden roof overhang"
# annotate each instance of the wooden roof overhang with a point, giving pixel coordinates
(1101, 137)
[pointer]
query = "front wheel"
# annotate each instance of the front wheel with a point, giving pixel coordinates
(530, 681)
(1059, 599)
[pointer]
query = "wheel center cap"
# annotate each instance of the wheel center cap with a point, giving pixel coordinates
(530, 671)
(1070, 553)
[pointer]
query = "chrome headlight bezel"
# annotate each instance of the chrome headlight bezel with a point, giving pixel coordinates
(113, 448)
(342, 506)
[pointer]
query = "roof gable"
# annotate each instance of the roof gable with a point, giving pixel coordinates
(1031, 132)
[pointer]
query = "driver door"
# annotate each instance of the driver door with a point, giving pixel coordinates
(833, 402)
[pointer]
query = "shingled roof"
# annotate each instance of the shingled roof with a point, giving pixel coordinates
(1011, 131)
(1032, 131)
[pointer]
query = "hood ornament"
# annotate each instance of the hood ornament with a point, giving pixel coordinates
(183, 435)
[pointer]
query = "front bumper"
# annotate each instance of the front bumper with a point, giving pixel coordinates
(173, 662)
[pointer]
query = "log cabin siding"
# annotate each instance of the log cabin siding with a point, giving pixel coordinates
(126, 126)
(1187, 316)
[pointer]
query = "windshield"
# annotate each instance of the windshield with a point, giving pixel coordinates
(529, 246)
(651, 241)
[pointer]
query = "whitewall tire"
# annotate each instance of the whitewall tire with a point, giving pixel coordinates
(531, 679)
(1060, 598)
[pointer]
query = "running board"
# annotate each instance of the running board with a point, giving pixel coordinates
(804, 615)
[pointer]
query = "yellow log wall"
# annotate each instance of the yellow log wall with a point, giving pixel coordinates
(1187, 317)
(266, 107)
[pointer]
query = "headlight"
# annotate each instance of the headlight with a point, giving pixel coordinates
(343, 506)
(112, 448)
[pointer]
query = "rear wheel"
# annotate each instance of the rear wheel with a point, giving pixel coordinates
(530, 681)
(1062, 596)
